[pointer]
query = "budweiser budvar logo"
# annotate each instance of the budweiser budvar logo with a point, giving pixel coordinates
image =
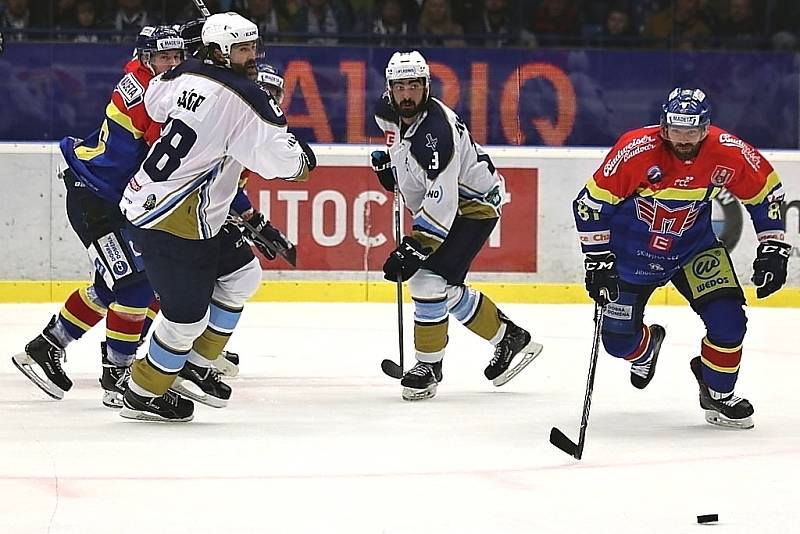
(749, 153)
(633, 148)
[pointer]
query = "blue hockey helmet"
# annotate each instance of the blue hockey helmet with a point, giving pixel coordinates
(270, 79)
(685, 118)
(686, 107)
(152, 39)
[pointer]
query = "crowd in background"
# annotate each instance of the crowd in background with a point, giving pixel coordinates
(673, 24)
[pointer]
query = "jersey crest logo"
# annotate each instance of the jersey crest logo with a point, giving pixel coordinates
(664, 220)
(654, 174)
(131, 91)
(432, 141)
(721, 175)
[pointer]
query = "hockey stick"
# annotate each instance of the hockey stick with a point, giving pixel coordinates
(558, 438)
(388, 366)
(289, 254)
(201, 6)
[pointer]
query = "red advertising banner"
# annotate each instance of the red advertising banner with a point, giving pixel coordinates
(342, 220)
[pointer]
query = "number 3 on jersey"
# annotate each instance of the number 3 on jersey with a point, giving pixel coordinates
(166, 155)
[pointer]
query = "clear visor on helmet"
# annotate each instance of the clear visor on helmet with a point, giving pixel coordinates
(680, 128)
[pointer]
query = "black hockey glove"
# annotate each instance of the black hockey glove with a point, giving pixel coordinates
(602, 280)
(382, 165)
(267, 239)
(405, 260)
(769, 267)
(308, 154)
(190, 33)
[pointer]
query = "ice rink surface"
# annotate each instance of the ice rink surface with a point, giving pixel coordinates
(317, 440)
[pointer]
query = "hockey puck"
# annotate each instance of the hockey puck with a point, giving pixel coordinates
(708, 518)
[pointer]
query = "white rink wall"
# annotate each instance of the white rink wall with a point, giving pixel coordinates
(38, 243)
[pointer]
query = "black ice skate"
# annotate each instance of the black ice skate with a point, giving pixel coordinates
(114, 380)
(642, 374)
(227, 364)
(420, 381)
(45, 352)
(207, 388)
(514, 352)
(170, 407)
(730, 411)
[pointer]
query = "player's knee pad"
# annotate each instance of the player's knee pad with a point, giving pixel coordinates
(725, 320)
(621, 345)
(426, 284)
(235, 288)
(622, 325)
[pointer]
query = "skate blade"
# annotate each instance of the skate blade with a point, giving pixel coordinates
(25, 364)
(225, 367)
(411, 394)
(202, 398)
(138, 415)
(717, 419)
(530, 352)
(112, 399)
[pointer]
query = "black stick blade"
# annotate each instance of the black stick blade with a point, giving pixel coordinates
(561, 441)
(392, 369)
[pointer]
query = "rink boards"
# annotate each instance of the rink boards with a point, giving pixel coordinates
(342, 222)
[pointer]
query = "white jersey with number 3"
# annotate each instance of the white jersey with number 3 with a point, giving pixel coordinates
(216, 123)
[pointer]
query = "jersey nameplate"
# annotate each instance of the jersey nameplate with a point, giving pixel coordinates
(194, 102)
(131, 91)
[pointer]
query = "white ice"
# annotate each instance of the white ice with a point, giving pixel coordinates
(317, 440)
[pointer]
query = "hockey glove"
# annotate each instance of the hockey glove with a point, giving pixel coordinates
(382, 165)
(267, 239)
(602, 280)
(405, 260)
(769, 267)
(308, 155)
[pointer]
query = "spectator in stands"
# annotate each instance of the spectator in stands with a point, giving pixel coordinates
(785, 25)
(87, 22)
(393, 23)
(739, 27)
(16, 16)
(130, 17)
(64, 15)
(436, 25)
(642, 10)
(681, 25)
(556, 23)
(323, 20)
(618, 30)
(268, 16)
(495, 26)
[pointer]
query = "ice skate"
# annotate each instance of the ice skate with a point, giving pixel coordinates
(642, 374)
(420, 381)
(227, 364)
(512, 354)
(170, 407)
(114, 380)
(729, 411)
(202, 384)
(45, 353)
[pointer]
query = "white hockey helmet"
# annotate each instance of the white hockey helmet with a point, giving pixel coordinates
(228, 29)
(408, 66)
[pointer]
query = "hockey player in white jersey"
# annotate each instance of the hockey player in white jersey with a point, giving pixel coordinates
(216, 122)
(455, 195)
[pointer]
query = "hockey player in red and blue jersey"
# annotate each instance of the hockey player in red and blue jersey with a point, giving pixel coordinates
(644, 219)
(98, 170)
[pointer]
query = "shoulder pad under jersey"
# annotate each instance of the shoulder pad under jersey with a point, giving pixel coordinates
(260, 101)
(384, 110)
(630, 145)
(432, 143)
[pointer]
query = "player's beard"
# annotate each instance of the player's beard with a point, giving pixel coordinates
(685, 151)
(247, 68)
(408, 108)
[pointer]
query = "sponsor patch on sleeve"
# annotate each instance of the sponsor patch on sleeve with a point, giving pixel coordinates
(131, 91)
